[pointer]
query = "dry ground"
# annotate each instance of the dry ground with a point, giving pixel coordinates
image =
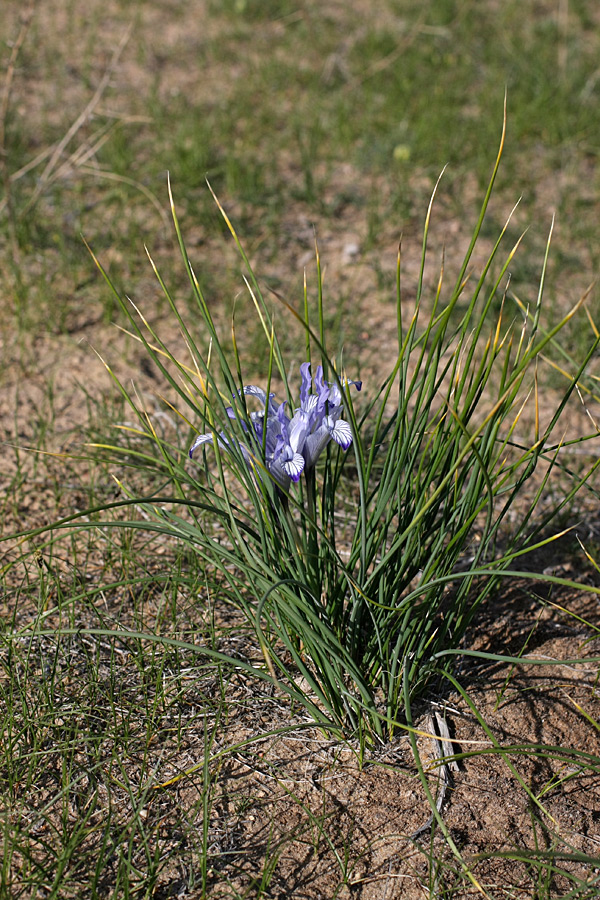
(299, 802)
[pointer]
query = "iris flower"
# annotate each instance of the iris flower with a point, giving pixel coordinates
(294, 443)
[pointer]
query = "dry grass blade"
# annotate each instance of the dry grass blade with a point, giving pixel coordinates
(26, 19)
(49, 173)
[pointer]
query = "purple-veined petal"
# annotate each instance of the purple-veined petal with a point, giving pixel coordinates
(277, 433)
(298, 430)
(255, 391)
(201, 439)
(294, 466)
(341, 433)
(310, 405)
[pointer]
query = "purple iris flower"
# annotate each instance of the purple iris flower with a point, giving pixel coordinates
(292, 444)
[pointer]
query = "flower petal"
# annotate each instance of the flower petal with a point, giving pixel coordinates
(306, 382)
(294, 466)
(315, 444)
(256, 392)
(298, 430)
(201, 439)
(310, 406)
(323, 390)
(342, 434)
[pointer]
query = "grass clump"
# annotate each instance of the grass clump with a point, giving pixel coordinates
(360, 575)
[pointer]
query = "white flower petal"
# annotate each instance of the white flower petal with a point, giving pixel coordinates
(298, 430)
(256, 392)
(294, 466)
(342, 434)
(311, 403)
(201, 439)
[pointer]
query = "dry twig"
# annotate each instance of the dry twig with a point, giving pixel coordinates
(442, 748)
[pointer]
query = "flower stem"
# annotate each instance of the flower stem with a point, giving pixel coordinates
(311, 507)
